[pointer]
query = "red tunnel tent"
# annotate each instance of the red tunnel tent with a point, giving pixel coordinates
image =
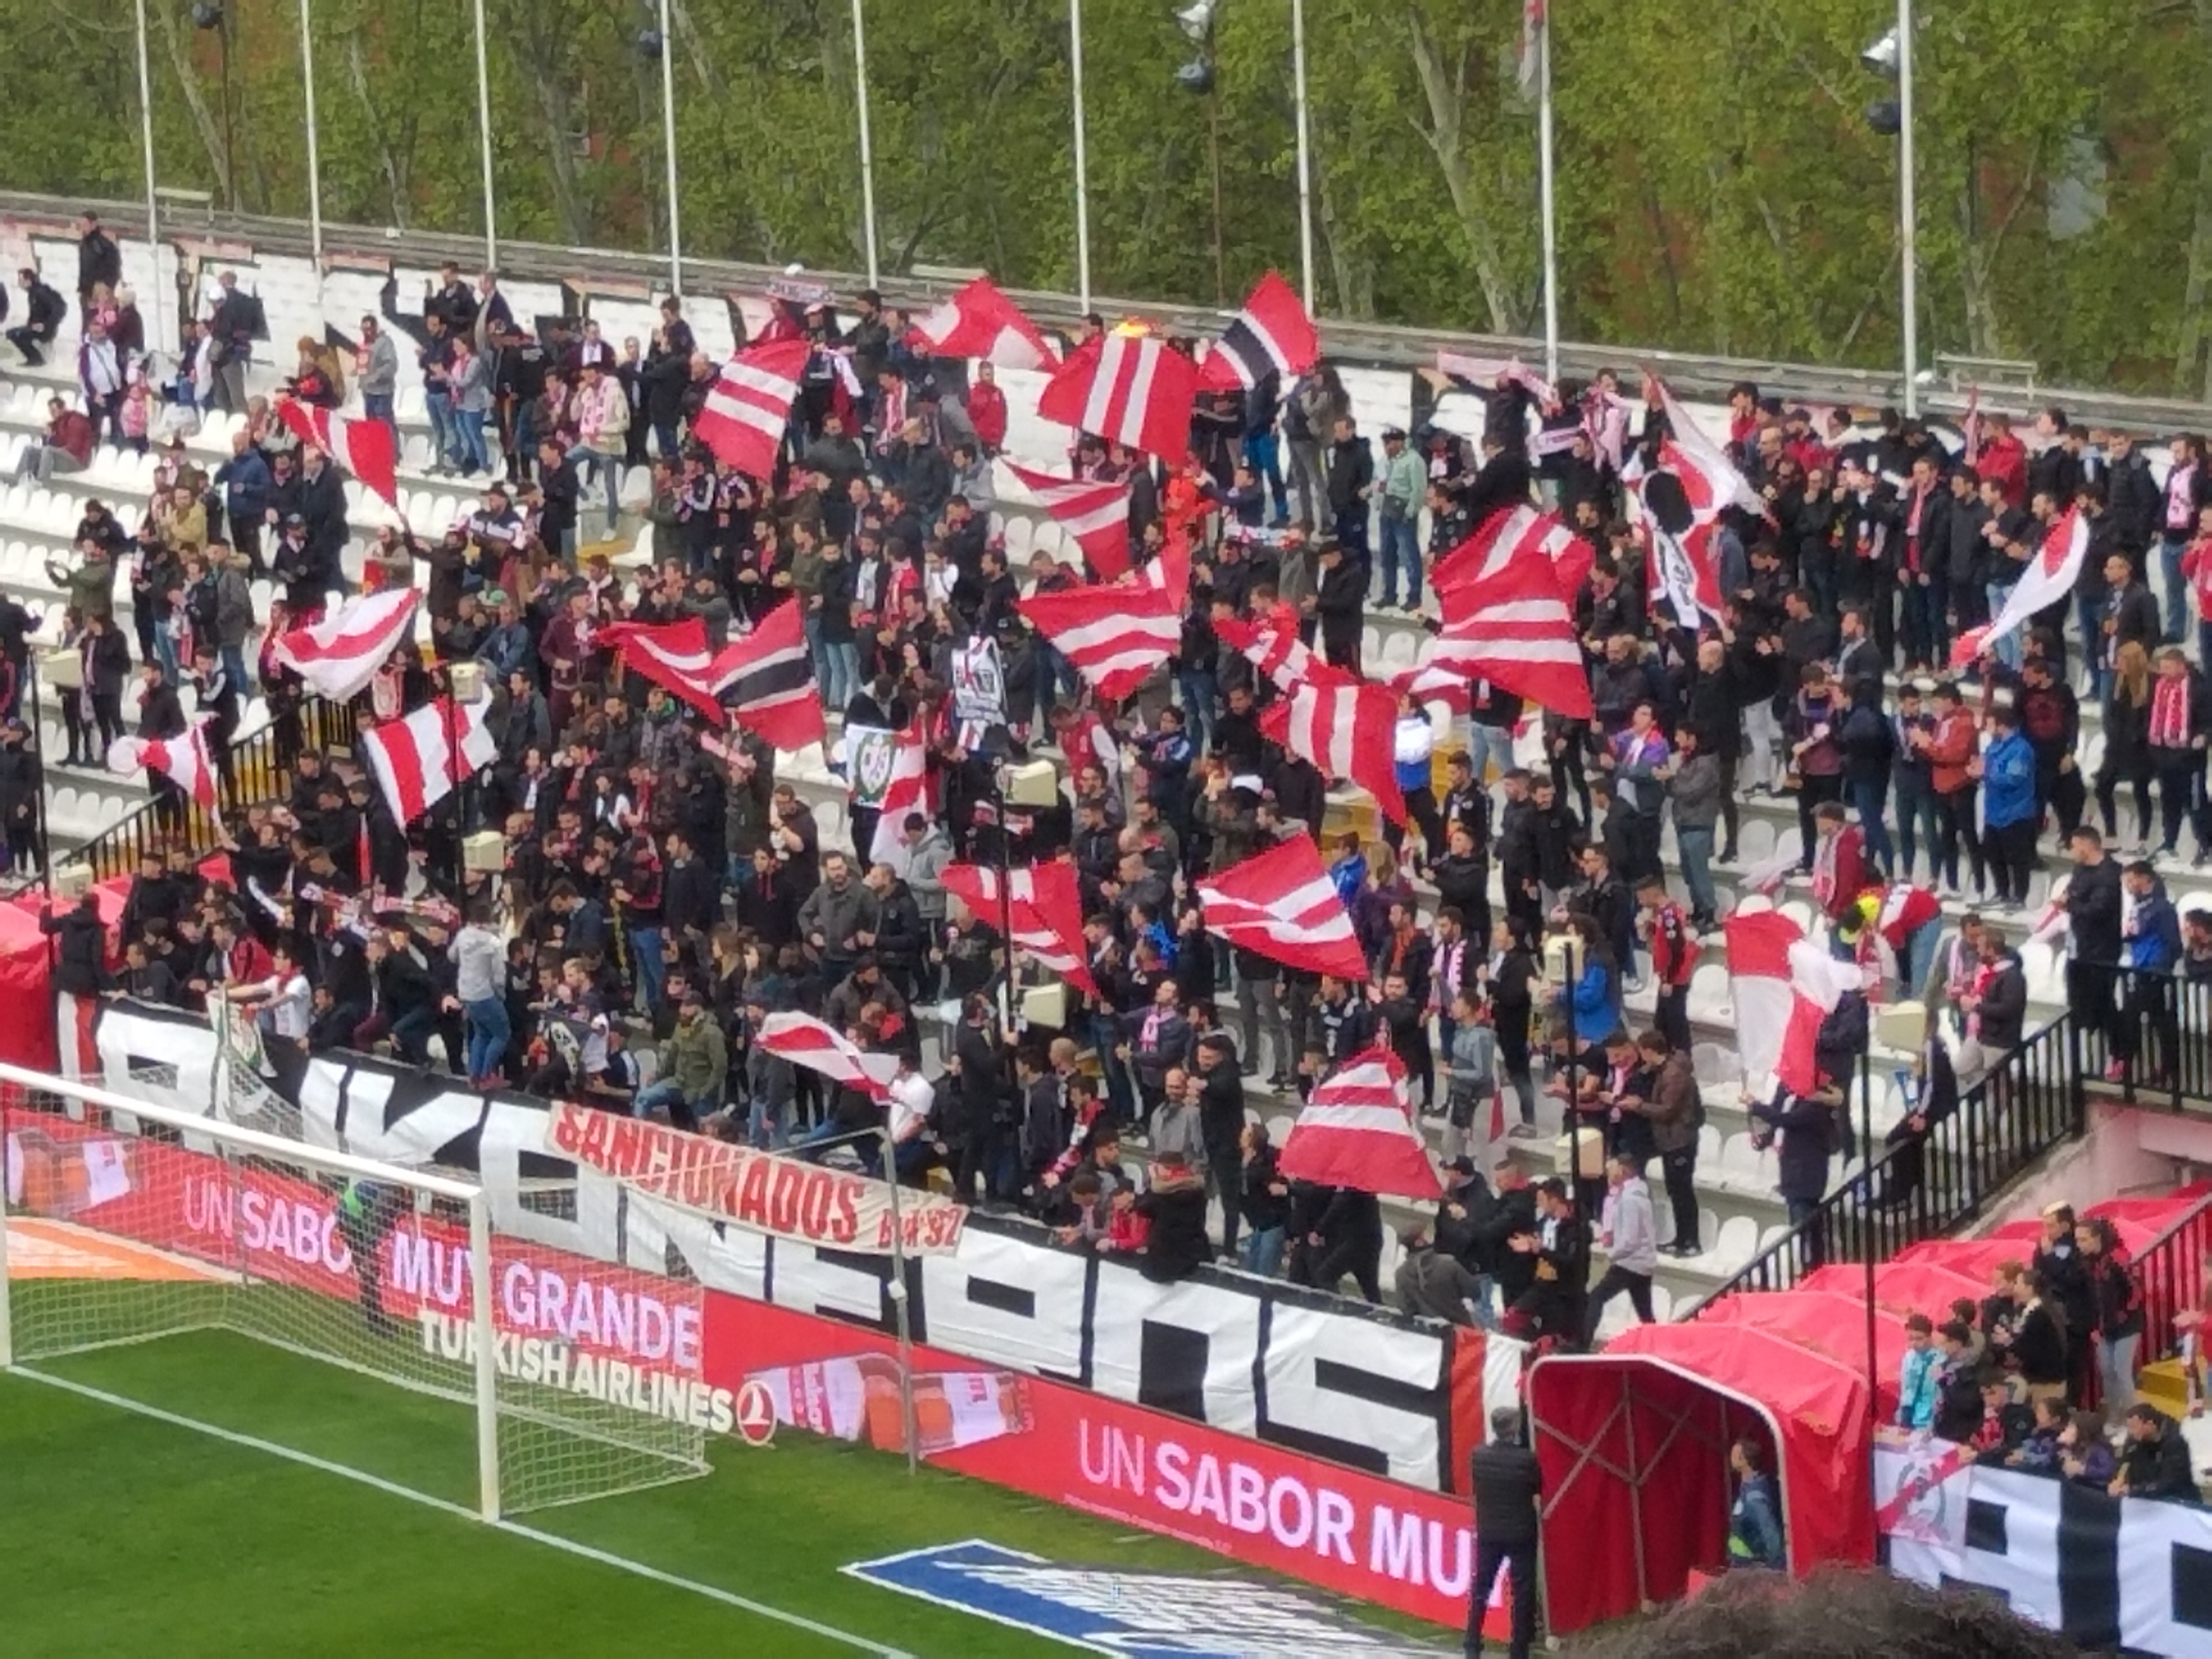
(1633, 1444)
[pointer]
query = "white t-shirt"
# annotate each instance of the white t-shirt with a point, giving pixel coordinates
(911, 1096)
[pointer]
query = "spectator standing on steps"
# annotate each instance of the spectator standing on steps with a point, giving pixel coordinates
(1509, 1490)
(1631, 1234)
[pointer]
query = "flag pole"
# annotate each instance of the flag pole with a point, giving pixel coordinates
(483, 138)
(868, 148)
(909, 1427)
(1082, 164)
(1908, 210)
(1544, 183)
(314, 143)
(668, 143)
(1305, 156)
(153, 201)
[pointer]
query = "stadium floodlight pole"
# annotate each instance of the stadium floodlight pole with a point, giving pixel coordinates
(483, 137)
(146, 139)
(1546, 198)
(1908, 211)
(867, 147)
(1305, 158)
(315, 142)
(668, 143)
(909, 1427)
(1082, 166)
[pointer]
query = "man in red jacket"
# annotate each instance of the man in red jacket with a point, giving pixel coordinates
(1839, 860)
(68, 446)
(987, 408)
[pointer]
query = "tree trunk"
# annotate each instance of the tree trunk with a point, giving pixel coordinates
(1352, 275)
(389, 162)
(210, 129)
(1446, 96)
(541, 50)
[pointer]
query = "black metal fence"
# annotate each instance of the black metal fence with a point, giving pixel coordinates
(2146, 1037)
(260, 770)
(2005, 1119)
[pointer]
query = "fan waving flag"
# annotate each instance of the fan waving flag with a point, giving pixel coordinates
(905, 792)
(419, 760)
(2047, 578)
(1356, 1130)
(1511, 536)
(766, 681)
(743, 419)
(979, 321)
(363, 447)
(1113, 636)
(1278, 654)
(1095, 514)
(1784, 985)
(1516, 629)
(183, 761)
(1044, 906)
(672, 656)
(805, 1040)
(1347, 730)
(1280, 904)
(1273, 334)
(1133, 390)
(339, 655)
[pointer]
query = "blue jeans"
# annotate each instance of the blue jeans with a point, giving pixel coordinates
(1262, 1252)
(1262, 454)
(376, 405)
(1486, 744)
(2090, 613)
(1916, 819)
(2009, 652)
(1401, 550)
(1920, 954)
(469, 427)
(607, 468)
(1867, 800)
(767, 1124)
(837, 664)
(488, 1029)
(445, 441)
(668, 1096)
(2170, 550)
(652, 971)
(1696, 847)
(1198, 697)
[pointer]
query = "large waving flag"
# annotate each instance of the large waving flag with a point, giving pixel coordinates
(672, 656)
(183, 761)
(1356, 1130)
(1509, 535)
(1516, 629)
(1044, 906)
(363, 447)
(418, 761)
(1113, 636)
(907, 791)
(2049, 576)
(1095, 514)
(1280, 904)
(1273, 334)
(979, 321)
(743, 419)
(763, 681)
(1347, 730)
(1135, 390)
(1286, 661)
(806, 1041)
(339, 655)
(1783, 984)
(1681, 499)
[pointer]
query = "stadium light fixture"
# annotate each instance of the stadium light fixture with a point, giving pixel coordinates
(649, 44)
(1197, 19)
(1196, 76)
(1882, 56)
(207, 14)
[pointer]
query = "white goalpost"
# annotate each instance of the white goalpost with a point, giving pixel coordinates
(126, 1225)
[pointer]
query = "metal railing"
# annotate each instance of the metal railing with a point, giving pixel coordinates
(2006, 1120)
(2153, 1044)
(2171, 1270)
(1378, 344)
(260, 770)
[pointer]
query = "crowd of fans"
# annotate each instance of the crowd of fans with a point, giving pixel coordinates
(664, 889)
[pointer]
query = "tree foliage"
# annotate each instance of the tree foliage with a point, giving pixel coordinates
(1719, 187)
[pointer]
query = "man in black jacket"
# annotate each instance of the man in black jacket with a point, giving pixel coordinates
(1221, 1123)
(2094, 903)
(1351, 481)
(2156, 1461)
(43, 308)
(1509, 1488)
(78, 964)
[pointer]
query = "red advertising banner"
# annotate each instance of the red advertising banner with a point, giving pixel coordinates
(1356, 1534)
(767, 1193)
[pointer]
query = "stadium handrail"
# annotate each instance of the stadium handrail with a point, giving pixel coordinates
(2170, 1270)
(1374, 345)
(2007, 1121)
(2157, 1079)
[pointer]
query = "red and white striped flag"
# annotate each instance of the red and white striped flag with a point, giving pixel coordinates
(1113, 636)
(1533, 22)
(806, 1041)
(183, 761)
(1516, 629)
(362, 447)
(1280, 904)
(672, 656)
(339, 655)
(1273, 334)
(908, 792)
(2046, 579)
(1135, 390)
(1482, 375)
(1782, 985)
(1510, 536)
(1044, 906)
(765, 680)
(1095, 514)
(979, 321)
(1356, 1130)
(419, 760)
(1278, 653)
(745, 416)
(1347, 730)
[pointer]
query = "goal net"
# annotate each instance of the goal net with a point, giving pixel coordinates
(202, 1269)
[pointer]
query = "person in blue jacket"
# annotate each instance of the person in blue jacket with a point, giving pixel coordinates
(1754, 1517)
(1592, 997)
(2010, 811)
(2150, 947)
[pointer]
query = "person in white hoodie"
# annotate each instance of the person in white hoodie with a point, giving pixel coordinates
(99, 371)
(1631, 1234)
